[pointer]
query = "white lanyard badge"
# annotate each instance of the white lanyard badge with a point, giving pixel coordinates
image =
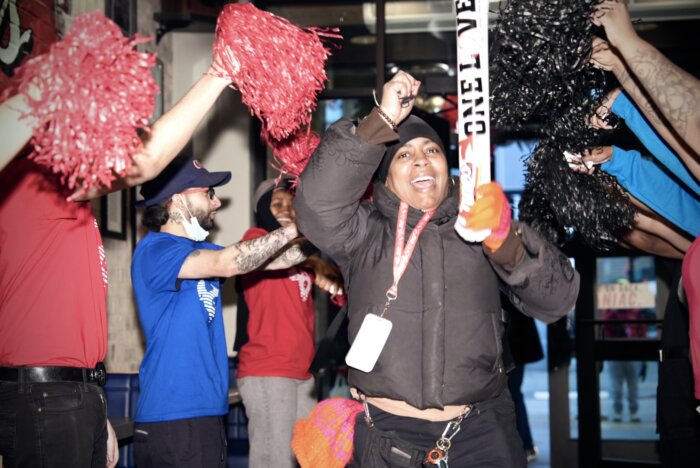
(375, 329)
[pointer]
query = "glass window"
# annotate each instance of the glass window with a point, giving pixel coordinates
(626, 297)
(330, 111)
(421, 39)
(624, 414)
(352, 62)
(625, 301)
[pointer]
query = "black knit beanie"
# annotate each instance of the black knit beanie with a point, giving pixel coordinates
(412, 127)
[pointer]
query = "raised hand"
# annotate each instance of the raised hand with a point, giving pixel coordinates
(605, 57)
(224, 63)
(491, 211)
(615, 18)
(398, 96)
(585, 164)
(600, 118)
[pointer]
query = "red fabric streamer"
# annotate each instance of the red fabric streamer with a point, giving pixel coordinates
(95, 92)
(293, 153)
(277, 66)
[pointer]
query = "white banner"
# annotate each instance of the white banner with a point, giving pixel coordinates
(473, 108)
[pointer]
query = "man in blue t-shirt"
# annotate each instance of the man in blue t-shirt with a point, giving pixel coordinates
(176, 280)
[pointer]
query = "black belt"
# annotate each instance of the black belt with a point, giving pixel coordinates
(98, 375)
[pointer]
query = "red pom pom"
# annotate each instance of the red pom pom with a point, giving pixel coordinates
(278, 67)
(95, 92)
(293, 153)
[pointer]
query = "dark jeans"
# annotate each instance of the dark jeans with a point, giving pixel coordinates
(515, 381)
(56, 424)
(191, 443)
(487, 438)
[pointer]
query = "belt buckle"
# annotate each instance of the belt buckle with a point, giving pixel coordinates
(99, 374)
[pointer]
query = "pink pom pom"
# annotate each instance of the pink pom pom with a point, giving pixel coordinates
(293, 153)
(277, 66)
(95, 92)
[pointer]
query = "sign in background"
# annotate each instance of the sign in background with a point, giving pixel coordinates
(625, 296)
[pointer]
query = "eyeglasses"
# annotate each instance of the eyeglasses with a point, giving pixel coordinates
(210, 191)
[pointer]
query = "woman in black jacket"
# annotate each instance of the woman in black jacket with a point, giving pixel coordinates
(438, 387)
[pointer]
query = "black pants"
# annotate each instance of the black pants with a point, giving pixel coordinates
(56, 424)
(515, 381)
(488, 438)
(192, 443)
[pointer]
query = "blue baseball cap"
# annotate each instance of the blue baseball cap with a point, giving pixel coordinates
(180, 175)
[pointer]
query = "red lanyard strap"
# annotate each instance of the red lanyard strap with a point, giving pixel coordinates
(403, 250)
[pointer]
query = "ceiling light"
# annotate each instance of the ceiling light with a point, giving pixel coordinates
(365, 39)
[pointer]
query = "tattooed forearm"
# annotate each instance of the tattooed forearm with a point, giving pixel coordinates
(249, 255)
(291, 256)
(639, 97)
(645, 103)
(675, 92)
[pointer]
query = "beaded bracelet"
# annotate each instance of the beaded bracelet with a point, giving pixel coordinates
(383, 113)
(388, 120)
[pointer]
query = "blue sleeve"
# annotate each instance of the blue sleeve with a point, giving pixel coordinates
(636, 122)
(160, 263)
(656, 189)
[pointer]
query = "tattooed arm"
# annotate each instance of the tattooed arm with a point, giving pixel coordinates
(237, 259)
(294, 253)
(675, 92)
(608, 58)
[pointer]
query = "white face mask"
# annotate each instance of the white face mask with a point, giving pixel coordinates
(192, 228)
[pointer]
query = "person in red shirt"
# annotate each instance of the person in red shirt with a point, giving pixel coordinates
(53, 291)
(274, 380)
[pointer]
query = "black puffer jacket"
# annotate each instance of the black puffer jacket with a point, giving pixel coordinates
(445, 345)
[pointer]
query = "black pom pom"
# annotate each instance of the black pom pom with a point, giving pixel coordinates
(540, 71)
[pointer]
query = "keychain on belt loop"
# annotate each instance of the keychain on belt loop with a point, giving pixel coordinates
(439, 455)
